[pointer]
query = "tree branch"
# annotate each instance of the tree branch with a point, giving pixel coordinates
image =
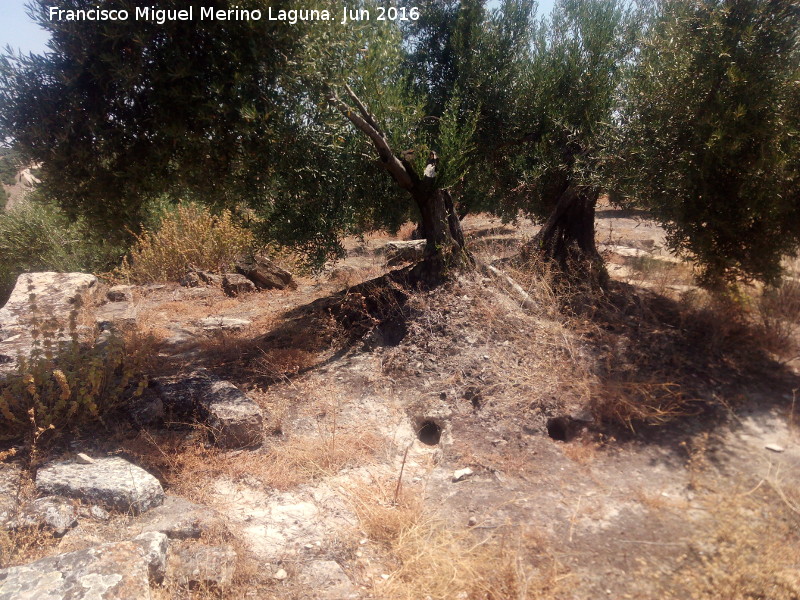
(390, 162)
(368, 116)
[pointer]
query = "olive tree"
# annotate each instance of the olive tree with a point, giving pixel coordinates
(711, 124)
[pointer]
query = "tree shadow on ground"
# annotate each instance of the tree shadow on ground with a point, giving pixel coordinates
(665, 361)
(311, 336)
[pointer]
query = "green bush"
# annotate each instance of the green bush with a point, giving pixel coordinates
(3, 198)
(35, 236)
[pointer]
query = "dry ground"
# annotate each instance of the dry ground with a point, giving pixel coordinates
(643, 447)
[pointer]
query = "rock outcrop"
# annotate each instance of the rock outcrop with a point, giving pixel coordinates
(116, 571)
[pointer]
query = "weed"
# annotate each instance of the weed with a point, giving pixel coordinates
(188, 237)
(65, 383)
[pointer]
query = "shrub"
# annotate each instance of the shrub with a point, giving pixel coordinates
(65, 384)
(35, 236)
(189, 236)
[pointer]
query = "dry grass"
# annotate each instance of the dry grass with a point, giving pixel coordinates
(430, 560)
(188, 237)
(750, 552)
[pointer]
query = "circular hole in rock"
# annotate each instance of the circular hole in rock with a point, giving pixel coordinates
(429, 433)
(558, 428)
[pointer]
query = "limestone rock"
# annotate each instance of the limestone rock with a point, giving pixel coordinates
(113, 482)
(120, 293)
(178, 519)
(54, 512)
(400, 252)
(118, 571)
(50, 295)
(155, 545)
(192, 564)
(235, 419)
(265, 274)
(223, 323)
(118, 315)
(235, 284)
(10, 476)
(328, 579)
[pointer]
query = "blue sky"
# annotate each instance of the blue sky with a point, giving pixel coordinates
(18, 31)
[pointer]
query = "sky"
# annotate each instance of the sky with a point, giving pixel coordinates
(18, 31)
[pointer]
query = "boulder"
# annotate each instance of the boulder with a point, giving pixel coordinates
(400, 252)
(113, 482)
(265, 274)
(191, 563)
(118, 571)
(235, 420)
(53, 296)
(235, 284)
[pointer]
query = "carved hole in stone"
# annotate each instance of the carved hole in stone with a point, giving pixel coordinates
(429, 433)
(559, 428)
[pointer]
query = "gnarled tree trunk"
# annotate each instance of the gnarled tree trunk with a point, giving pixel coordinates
(567, 238)
(439, 223)
(445, 249)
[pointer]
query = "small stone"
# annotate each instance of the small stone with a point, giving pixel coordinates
(234, 284)
(84, 459)
(774, 447)
(120, 293)
(462, 474)
(472, 522)
(280, 574)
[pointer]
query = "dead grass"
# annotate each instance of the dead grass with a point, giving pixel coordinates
(749, 553)
(431, 560)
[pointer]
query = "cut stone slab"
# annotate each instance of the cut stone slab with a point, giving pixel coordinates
(50, 295)
(328, 580)
(118, 571)
(235, 420)
(178, 519)
(265, 274)
(235, 284)
(400, 252)
(191, 563)
(113, 482)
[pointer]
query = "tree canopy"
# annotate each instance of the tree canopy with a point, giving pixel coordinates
(711, 132)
